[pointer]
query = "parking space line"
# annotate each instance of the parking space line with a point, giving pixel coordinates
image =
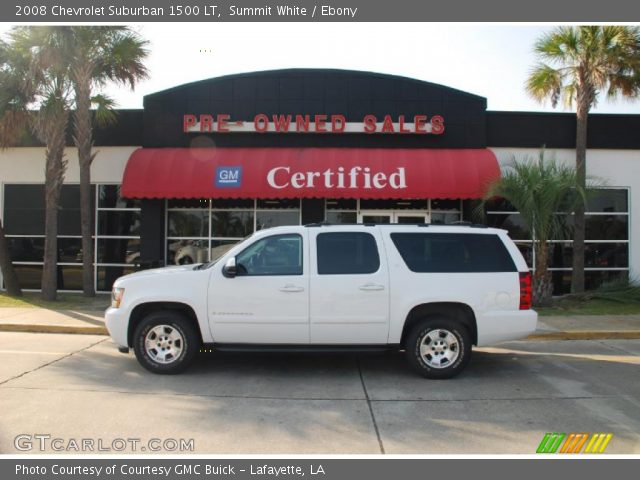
(189, 394)
(631, 359)
(345, 399)
(373, 417)
(29, 352)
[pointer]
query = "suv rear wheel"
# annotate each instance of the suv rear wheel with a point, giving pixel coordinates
(165, 342)
(438, 348)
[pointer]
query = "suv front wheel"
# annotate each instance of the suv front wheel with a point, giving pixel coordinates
(165, 342)
(438, 348)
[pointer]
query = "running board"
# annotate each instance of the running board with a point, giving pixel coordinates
(247, 347)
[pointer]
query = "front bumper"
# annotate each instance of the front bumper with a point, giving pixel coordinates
(117, 322)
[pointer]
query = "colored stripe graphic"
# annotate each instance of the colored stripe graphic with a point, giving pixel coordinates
(550, 442)
(598, 443)
(569, 443)
(574, 442)
(581, 443)
(606, 442)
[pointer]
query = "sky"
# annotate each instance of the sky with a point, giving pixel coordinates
(488, 60)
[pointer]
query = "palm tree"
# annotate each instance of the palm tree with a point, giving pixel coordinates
(539, 188)
(51, 127)
(33, 75)
(96, 56)
(8, 134)
(576, 64)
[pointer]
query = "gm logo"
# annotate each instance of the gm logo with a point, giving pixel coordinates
(228, 177)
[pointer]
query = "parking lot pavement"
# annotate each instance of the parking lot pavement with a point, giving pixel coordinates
(21, 353)
(75, 387)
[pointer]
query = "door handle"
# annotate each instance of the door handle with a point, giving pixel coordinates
(368, 287)
(291, 289)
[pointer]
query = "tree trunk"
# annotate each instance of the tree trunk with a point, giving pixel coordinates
(54, 176)
(577, 278)
(86, 213)
(542, 283)
(8, 273)
(83, 138)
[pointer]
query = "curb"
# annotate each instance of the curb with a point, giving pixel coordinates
(27, 328)
(570, 335)
(586, 335)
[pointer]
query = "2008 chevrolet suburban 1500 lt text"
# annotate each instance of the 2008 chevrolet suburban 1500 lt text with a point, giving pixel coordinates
(433, 291)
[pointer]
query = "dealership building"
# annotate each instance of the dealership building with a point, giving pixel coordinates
(205, 164)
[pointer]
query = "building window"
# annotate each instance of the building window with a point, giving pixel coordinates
(117, 248)
(188, 230)
(341, 210)
(606, 243)
(345, 210)
(201, 230)
(24, 210)
(394, 204)
(115, 223)
(23, 220)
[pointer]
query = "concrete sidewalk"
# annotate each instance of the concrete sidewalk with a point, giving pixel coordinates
(91, 322)
(42, 320)
(587, 327)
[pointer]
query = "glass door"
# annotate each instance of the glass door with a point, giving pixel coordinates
(411, 217)
(375, 216)
(391, 216)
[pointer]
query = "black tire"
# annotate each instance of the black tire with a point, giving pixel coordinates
(422, 365)
(184, 328)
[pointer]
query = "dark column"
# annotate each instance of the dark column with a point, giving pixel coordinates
(312, 210)
(470, 211)
(152, 241)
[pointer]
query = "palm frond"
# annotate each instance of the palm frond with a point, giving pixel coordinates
(591, 58)
(14, 125)
(34, 84)
(104, 109)
(538, 188)
(561, 45)
(116, 54)
(545, 82)
(124, 59)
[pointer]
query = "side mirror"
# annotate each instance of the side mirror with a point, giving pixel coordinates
(229, 270)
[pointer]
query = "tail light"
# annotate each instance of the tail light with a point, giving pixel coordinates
(525, 290)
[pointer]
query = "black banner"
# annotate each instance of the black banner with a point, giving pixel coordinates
(318, 11)
(317, 468)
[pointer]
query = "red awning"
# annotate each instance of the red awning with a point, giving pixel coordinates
(308, 172)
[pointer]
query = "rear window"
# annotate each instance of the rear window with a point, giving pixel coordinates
(347, 253)
(453, 252)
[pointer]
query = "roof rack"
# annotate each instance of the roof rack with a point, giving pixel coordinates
(368, 224)
(328, 224)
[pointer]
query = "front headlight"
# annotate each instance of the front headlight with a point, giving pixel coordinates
(116, 297)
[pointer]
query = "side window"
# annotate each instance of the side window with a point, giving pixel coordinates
(344, 253)
(274, 255)
(453, 252)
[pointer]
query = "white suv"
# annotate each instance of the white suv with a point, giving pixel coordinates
(433, 291)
